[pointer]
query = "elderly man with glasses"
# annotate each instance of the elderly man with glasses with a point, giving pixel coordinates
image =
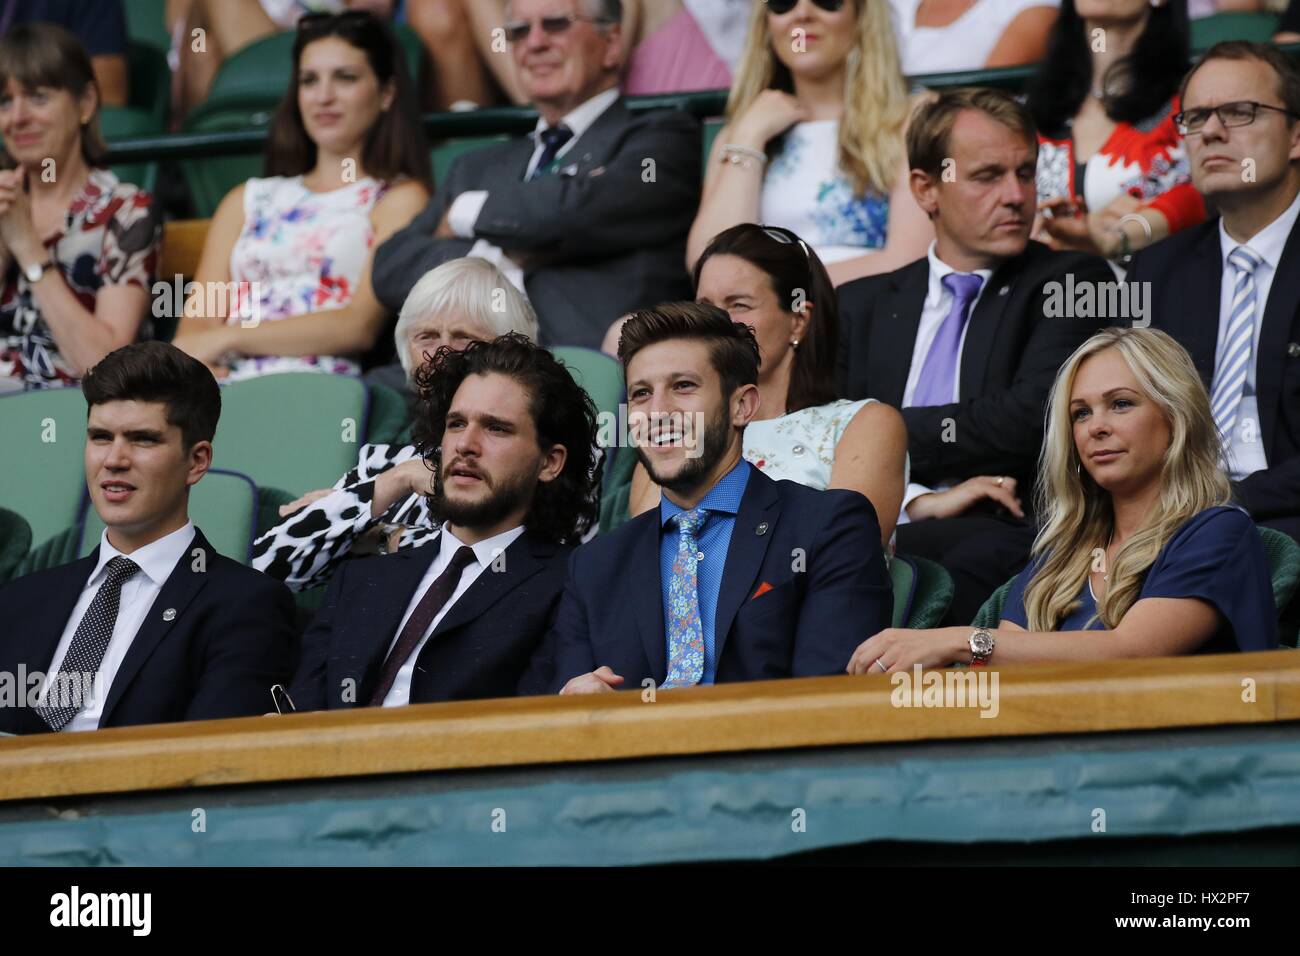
(1229, 290)
(587, 216)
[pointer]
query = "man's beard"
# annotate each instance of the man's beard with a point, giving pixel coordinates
(694, 470)
(510, 494)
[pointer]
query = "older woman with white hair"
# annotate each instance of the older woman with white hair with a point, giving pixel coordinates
(382, 504)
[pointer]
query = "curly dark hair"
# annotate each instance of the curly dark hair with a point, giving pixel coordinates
(563, 509)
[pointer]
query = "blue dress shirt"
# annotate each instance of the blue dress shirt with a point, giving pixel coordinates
(721, 503)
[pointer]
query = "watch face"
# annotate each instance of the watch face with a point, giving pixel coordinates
(981, 643)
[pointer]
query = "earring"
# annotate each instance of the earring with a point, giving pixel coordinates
(794, 344)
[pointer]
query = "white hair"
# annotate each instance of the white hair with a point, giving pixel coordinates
(473, 287)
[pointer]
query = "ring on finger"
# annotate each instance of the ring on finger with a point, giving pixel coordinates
(883, 668)
(1000, 480)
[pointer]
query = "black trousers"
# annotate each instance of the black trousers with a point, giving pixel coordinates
(981, 552)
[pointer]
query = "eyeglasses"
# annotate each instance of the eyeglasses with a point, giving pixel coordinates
(517, 30)
(1241, 113)
(314, 21)
(781, 7)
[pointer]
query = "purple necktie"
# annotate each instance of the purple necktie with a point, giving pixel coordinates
(934, 387)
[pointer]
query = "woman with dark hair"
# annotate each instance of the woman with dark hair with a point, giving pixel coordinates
(77, 247)
(346, 167)
(769, 279)
(1113, 174)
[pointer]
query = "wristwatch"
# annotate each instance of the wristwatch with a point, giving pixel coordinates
(36, 270)
(981, 647)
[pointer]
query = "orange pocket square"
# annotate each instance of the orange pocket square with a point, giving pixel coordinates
(762, 589)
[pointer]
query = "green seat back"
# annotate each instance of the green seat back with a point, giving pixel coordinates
(1284, 566)
(149, 81)
(389, 416)
(449, 150)
(44, 478)
(1207, 31)
(297, 431)
(119, 122)
(598, 373)
(262, 69)
(709, 134)
(923, 591)
(223, 505)
(991, 613)
(15, 542)
(146, 22)
(211, 177)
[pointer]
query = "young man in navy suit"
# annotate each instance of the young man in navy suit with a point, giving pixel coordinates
(154, 626)
(509, 439)
(734, 576)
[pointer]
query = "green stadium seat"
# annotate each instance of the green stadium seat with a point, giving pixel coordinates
(1207, 31)
(991, 613)
(146, 22)
(449, 150)
(15, 542)
(296, 431)
(60, 549)
(223, 505)
(710, 132)
(923, 591)
(43, 478)
(598, 373)
(389, 419)
(119, 122)
(211, 177)
(149, 81)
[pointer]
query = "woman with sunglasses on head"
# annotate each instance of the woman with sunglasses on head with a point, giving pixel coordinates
(1113, 175)
(347, 167)
(814, 139)
(769, 279)
(1140, 551)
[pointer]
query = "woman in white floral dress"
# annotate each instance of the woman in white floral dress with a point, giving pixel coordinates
(768, 278)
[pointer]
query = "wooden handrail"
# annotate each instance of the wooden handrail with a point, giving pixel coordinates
(815, 712)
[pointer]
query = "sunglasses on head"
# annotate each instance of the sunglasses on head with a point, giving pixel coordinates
(781, 7)
(518, 30)
(315, 21)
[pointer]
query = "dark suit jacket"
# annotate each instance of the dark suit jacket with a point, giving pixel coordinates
(488, 644)
(1184, 274)
(818, 550)
(609, 241)
(230, 640)
(1008, 363)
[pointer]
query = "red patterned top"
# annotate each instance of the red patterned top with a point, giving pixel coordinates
(111, 236)
(1147, 160)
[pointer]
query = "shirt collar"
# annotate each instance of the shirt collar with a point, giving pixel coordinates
(485, 551)
(579, 120)
(723, 497)
(1269, 242)
(939, 269)
(157, 559)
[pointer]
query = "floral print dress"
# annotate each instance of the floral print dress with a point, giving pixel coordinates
(300, 251)
(111, 236)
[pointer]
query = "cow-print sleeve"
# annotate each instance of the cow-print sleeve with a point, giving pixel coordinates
(305, 547)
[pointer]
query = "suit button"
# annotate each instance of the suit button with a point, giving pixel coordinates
(761, 529)
(1293, 350)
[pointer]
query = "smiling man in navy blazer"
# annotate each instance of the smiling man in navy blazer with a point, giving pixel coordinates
(154, 626)
(509, 438)
(734, 576)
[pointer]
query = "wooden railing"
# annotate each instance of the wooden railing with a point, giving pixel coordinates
(1031, 699)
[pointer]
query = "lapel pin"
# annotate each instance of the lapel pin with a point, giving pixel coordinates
(1293, 350)
(169, 614)
(761, 529)
(1004, 290)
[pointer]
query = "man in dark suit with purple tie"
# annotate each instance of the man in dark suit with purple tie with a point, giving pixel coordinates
(509, 440)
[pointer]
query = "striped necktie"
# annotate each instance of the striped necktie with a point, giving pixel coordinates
(685, 629)
(1234, 361)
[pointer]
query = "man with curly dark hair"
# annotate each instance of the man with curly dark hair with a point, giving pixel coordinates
(509, 439)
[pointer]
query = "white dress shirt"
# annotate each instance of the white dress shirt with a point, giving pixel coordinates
(156, 560)
(464, 211)
(1245, 448)
(938, 302)
(485, 552)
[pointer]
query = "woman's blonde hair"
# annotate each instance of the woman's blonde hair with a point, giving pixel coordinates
(875, 95)
(1076, 513)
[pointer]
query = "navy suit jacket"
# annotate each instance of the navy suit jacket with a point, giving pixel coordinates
(819, 551)
(488, 644)
(230, 639)
(1184, 273)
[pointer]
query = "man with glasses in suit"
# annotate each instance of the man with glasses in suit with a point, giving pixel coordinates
(588, 216)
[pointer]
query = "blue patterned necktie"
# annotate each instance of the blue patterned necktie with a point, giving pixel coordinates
(685, 629)
(553, 139)
(86, 652)
(1234, 362)
(934, 387)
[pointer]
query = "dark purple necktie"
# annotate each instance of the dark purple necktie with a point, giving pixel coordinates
(553, 139)
(439, 593)
(934, 387)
